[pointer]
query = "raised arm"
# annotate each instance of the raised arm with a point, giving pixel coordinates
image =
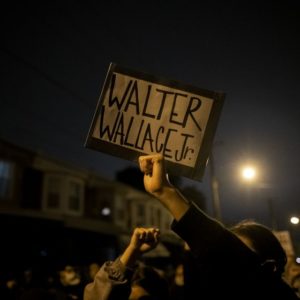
(142, 240)
(156, 183)
(113, 280)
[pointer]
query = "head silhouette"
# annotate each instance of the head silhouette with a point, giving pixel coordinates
(261, 240)
(152, 282)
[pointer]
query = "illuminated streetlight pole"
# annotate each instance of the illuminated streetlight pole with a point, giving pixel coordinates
(214, 184)
(249, 174)
(214, 189)
(294, 221)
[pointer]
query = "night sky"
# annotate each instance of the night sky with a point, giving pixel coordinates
(54, 58)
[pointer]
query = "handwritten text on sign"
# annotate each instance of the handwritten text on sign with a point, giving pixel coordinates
(153, 118)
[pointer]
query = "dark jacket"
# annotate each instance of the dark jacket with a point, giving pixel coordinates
(223, 266)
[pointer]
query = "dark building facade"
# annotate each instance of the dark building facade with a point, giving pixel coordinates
(52, 213)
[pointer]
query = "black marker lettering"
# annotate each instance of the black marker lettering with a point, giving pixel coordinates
(138, 136)
(173, 113)
(158, 149)
(106, 129)
(166, 143)
(120, 130)
(128, 133)
(187, 150)
(163, 100)
(148, 137)
(133, 100)
(146, 103)
(183, 149)
(115, 100)
(190, 111)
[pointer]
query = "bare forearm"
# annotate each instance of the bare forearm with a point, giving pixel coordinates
(142, 241)
(157, 183)
(129, 257)
(174, 201)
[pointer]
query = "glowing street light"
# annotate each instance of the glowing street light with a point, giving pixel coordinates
(249, 173)
(294, 220)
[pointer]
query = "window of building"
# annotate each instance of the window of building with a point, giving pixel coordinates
(74, 195)
(120, 209)
(141, 211)
(53, 192)
(120, 214)
(152, 216)
(158, 217)
(63, 194)
(6, 176)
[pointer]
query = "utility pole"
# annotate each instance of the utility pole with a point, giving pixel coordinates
(214, 184)
(272, 214)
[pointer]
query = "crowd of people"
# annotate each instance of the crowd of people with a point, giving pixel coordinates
(67, 281)
(245, 261)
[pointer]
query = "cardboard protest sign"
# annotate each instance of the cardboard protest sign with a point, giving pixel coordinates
(140, 114)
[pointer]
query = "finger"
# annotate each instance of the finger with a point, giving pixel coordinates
(142, 235)
(139, 234)
(147, 236)
(157, 232)
(157, 236)
(152, 235)
(154, 230)
(145, 163)
(137, 231)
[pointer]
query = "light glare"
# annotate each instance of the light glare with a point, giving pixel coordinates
(248, 173)
(105, 211)
(294, 220)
